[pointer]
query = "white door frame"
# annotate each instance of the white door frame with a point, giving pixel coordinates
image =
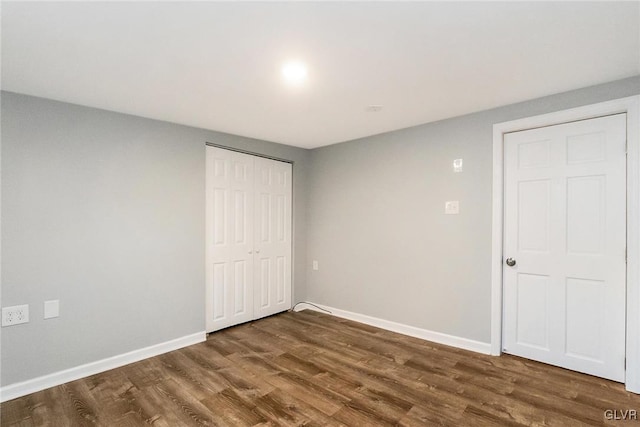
(631, 106)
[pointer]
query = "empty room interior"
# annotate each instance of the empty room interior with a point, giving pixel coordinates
(320, 213)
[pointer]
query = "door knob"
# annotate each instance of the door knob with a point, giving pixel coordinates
(511, 262)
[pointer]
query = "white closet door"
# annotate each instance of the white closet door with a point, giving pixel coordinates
(272, 292)
(564, 286)
(248, 238)
(229, 238)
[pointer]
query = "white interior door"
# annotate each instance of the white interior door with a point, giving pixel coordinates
(229, 238)
(248, 237)
(273, 237)
(564, 227)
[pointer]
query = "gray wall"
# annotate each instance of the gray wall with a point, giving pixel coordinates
(105, 212)
(377, 224)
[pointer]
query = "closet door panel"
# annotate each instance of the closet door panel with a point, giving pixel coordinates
(273, 189)
(229, 238)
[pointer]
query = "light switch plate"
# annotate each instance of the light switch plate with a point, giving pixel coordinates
(452, 207)
(51, 309)
(457, 165)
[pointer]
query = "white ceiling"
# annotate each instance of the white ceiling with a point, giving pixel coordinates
(217, 65)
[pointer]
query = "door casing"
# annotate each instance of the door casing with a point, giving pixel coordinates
(631, 106)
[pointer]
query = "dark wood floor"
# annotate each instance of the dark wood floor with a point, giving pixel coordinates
(308, 368)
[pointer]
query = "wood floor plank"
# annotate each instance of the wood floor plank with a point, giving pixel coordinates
(284, 409)
(136, 407)
(421, 416)
(324, 400)
(312, 369)
(179, 407)
(233, 409)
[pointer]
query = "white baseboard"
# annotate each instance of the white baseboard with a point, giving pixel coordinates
(13, 391)
(412, 331)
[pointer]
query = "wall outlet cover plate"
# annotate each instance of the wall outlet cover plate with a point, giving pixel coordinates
(15, 315)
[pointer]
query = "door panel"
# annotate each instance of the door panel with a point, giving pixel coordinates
(533, 215)
(229, 245)
(585, 317)
(219, 282)
(585, 215)
(281, 280)
(273, 245)
(533, 296)
(565, 227)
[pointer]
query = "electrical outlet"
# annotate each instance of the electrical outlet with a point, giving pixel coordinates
(315, 265)
(15, 315)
